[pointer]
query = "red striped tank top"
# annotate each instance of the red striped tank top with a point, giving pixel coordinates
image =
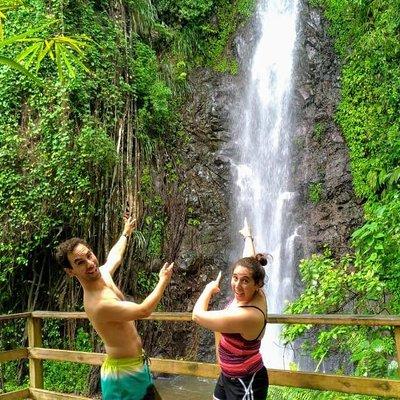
(239, 357)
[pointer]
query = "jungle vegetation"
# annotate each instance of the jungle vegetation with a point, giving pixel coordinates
(89, 100)
(81, 81)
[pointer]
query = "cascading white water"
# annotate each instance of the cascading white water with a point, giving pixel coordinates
(262, 132)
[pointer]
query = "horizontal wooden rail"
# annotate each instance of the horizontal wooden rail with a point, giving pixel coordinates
(347, 384)
(320, 319)
(6, 317)
(16, 395)
(60, 314)
(337, 383)
(41, 394)
(11, 355)
(81, 357)
(306, 380)
(313, 319)
(332, 319)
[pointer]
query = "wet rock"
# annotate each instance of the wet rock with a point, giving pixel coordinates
(321, 155)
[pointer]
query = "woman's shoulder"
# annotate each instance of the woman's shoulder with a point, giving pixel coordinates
(259, 302)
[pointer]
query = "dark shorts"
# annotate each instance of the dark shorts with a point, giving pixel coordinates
(251, 387)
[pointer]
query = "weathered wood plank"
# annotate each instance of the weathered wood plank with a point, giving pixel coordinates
(16, 395)
(308, 380)
(333, 319)
(170, 316)
(397, 340)
(156, 316)
(322, 319)
(178, 367)
(41, 394)
(81, 357)
(6, 317)
(35, 340)
(11, 355)
(336, 383)
(59, 314)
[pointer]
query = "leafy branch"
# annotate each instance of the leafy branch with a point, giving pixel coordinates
(67, 52)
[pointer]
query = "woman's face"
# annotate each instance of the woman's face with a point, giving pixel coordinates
(243, 284)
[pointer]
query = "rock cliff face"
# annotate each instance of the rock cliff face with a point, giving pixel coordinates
(327, 210)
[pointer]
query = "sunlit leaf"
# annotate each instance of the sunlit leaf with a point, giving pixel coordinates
(18, 67)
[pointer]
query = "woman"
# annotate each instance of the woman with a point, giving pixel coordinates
(242, 325)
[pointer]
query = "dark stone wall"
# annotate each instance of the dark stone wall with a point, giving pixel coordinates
(320, 154)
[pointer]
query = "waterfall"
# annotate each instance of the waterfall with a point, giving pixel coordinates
(262, 131)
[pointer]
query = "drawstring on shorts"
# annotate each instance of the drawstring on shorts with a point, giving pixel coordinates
(248, 390)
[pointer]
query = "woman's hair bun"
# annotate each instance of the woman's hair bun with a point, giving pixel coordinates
(262, 258)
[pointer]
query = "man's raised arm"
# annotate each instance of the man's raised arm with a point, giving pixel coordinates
(116, 253)
(113, 310)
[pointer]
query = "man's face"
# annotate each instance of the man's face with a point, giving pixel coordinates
(84, 264)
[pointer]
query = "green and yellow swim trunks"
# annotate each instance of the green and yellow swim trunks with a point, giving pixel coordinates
(126, 379)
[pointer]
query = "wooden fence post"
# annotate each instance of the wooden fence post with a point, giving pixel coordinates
(35, 340)
(397, 339)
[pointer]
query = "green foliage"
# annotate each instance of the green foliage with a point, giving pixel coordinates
(52, 160)
(146, 282)
(315, 191)
(376, 245)
(67, 52)
(229, 16)
(13, 373)
(191, 10)
(201, 30)
(155, 113)
(66, 377)
(285, 393)
(319, 131)
(49, 179)
(154, 229)
(193, 218)
(14, 376)
(184, 11)
(366, 35)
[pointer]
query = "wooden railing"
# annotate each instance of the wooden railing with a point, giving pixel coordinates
(340, 383)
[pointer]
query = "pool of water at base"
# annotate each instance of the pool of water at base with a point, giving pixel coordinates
(185, 387)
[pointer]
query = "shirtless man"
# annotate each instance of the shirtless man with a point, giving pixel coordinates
(124, 374)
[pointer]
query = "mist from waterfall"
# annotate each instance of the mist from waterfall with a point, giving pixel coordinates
(262, 134)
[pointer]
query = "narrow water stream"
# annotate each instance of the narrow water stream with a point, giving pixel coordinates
(262, 134)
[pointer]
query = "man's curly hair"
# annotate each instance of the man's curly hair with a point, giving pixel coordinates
(66, 247)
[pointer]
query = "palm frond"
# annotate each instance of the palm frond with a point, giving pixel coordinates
(46, 48)
(58, 61)
(28, 54)
(18, 67)
(67, 57)
(66, 52)
(77, 61)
